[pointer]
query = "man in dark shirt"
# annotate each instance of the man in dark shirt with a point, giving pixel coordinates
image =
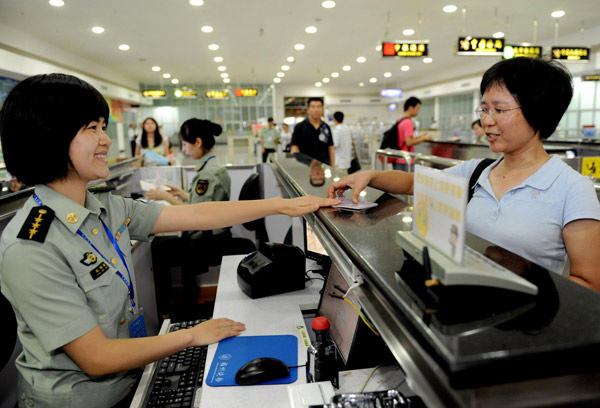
(313, 136)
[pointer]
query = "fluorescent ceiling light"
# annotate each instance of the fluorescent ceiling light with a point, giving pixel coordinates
(360, 60)
(196, 3)
(299, 47)
(450, 8)
(318, 84)
(408, 31)
(218, 59)
(98, 30)
(166, 75)
(277, 80)
(222, 68)
(175, 81)
(558, 13)
(290, 59)
(213, 47)
(56, 3)
(373, 80)
(328, 4)
(285, 67)
(124, 47)
(311, 29)
(207, 29)
(335, 74)
(427, 60)
(404, 67)
(387, 75)
(156, 68)
(346, 67)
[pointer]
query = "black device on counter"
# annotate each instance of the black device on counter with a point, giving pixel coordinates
(273, 269)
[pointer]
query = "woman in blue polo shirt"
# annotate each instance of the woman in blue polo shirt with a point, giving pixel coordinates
(527, 201)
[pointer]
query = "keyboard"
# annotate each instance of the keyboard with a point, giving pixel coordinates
(477, 269)
(177, 378)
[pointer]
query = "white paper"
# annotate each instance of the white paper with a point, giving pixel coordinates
(347, 204)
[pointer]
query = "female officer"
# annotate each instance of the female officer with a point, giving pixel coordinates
(65, 257)
(527, 201)
(197, 249)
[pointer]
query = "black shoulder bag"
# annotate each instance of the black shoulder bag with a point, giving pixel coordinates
(478, 170)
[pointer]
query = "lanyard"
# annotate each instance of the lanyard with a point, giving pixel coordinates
(129, 283)
(204, 164)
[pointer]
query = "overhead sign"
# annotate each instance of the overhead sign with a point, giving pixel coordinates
(405, 49)
(246, 92)
(480, 46)
(185, 93)
(591, 77)
(154, 93)
(391, 93)
(571, 53)
(516, 50)
(215, 94)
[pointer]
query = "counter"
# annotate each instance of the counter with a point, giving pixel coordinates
(495, 350)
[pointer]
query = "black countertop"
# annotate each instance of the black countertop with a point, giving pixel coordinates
(478, 336)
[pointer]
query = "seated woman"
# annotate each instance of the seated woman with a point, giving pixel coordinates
(527, 201)
(152, 142)
(197, 249)
(65, 257)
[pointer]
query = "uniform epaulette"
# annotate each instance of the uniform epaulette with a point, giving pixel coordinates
(37, 224)
(101, 189)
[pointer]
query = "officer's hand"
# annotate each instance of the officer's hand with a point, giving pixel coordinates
(176, 191)
(357, 182)
(306, 204)
(214, 330)
(157, 194)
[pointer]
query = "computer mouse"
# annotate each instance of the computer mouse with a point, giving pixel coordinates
(261, 370)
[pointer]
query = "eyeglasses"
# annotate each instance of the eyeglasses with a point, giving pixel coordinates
(493, 112)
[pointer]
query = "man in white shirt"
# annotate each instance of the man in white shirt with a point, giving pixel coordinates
(342, 140)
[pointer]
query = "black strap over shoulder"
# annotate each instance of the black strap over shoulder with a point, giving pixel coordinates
(475, 176)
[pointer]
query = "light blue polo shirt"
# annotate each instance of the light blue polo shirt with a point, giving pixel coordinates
(529, 219)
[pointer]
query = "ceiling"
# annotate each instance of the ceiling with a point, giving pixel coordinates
(255, 37)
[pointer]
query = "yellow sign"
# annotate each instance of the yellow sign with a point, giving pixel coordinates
(154, 93)
(528, 51)
(480, 46)
(591, 77)
(216, 94)
(571, 53)
(246, 92)
(590, 166)
(405, 49)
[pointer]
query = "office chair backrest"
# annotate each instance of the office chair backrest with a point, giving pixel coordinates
(251, 191)
(8, 322)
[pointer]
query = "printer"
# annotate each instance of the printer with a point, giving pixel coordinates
(273, 269)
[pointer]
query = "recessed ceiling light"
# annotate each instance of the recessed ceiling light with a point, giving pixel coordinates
(360, 60)
(56, 3)
(175, 81)
(222, 68)
(378, 48)
(335, 74)
(311, 29)
(404, 67)
(124, 47)
(428, 60)
(213, 47)
(224, 75)
(328, 4)
(166, 75)
(280, 74)
(450, 8)
(373, 80)
(156, 68)
(291, 59)
(498, 34)
(218, 59)
(207, 29)
(277, 80)
(408, 31)
(558, 13)
(318, 84)
(196, 2)
(299, 47)
(325, 80)
(361, 84)
(387, 75)
(98, 30)
(226, 80)
(285, 67)
(346, 67)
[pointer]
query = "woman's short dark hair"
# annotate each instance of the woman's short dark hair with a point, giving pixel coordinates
(543, 89)
(200, 128)
(39, 119)
(157, 136)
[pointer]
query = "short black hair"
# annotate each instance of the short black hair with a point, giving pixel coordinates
(206, 130)
(543, 89)
(39, 119)
(315, 99)
(476, 122)
(270, 120)
(157, 136)
(410, 102)
(339, 116)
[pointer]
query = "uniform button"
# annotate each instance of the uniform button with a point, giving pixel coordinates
(122, 320)
(30, 402)
(94, 231)
(113, 261)
(72, 218)
(131, 385)
(512, 192)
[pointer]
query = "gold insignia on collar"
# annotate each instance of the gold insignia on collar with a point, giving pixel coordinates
(72, 218)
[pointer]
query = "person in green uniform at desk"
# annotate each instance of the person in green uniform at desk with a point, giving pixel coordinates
(196, 250)
(65, 257)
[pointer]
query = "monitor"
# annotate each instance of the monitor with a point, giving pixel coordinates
(313, 248)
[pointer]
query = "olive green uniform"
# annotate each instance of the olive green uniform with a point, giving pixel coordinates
(61, 288)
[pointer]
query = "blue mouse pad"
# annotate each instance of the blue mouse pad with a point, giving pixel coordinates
(234, 352)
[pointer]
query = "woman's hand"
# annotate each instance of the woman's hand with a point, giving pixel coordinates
(306, 204)
(357, 182)
(214, 330)
(177, 192)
